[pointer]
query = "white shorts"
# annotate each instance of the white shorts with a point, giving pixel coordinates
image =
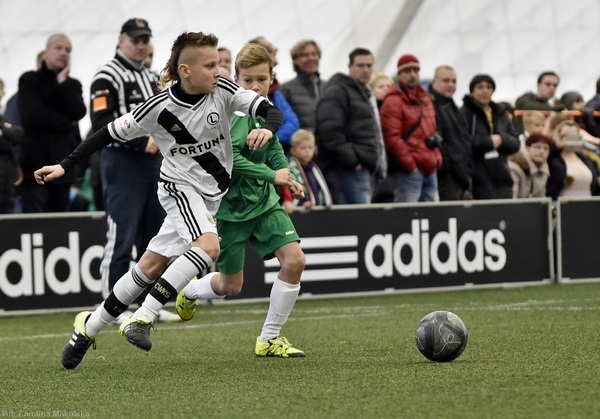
(188, 217)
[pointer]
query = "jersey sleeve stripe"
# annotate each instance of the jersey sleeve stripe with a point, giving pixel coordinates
(113, 133)
(254, 106)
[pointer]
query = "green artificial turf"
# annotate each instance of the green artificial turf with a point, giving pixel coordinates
(532, 353)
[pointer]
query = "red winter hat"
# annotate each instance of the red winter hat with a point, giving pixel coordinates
(407, 61)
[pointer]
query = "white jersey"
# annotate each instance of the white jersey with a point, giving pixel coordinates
(194, 139)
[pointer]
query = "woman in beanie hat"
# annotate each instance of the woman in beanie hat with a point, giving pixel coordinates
(493, 138)
(574, 102)
(529, 167)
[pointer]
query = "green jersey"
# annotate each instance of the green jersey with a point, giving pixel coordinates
(251, 192)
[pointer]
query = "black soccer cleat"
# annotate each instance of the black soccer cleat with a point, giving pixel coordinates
(77, 346)
(137, 332)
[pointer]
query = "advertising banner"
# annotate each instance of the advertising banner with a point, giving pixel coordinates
(578, 235)
(52, 261)
(366, 248)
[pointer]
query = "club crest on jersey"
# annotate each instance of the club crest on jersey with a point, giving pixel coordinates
(213, 118)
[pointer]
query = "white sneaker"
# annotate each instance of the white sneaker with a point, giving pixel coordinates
(165, 316)
(122, 317)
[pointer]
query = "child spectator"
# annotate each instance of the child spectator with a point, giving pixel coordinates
(307, 173)
(380, 83)
(533, 121)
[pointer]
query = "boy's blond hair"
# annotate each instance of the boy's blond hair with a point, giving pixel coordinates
(301, 136)
(530, 117)
(251, 55)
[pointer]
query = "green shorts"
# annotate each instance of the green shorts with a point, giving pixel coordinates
(267, 233)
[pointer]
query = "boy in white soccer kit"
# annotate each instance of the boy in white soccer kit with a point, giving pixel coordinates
(190, 123)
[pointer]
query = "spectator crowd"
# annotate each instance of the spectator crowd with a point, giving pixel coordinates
(360, 137)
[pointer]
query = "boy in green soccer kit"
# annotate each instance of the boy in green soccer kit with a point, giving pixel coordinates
(250, 211)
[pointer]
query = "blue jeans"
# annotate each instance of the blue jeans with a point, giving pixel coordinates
(349, 186)
(415, 187)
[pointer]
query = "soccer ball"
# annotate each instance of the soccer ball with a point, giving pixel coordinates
(441, 336)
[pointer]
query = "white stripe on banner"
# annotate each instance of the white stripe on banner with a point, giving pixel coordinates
(331, 241)
(321, 259)
(325, 258)
(314, 275)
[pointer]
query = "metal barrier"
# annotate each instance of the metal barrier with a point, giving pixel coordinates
(570, 114)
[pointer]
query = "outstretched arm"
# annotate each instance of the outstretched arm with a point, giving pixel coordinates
(94, 143)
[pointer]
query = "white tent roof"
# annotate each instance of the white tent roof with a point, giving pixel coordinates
(512, 40)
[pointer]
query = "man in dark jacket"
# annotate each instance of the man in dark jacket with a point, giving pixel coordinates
(543, 100)
(348, 132)
(51, 104)
(455, 175)
(10, 174)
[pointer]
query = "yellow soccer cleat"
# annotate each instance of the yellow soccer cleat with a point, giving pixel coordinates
(185, 308)
(277, 347)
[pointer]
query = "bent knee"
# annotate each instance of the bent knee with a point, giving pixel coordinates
(295, 263)
(213, 252)
(231, 290)
(153, 265)
(232, 284)
(209, 243)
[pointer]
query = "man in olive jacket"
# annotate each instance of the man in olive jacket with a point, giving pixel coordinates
(348, 132)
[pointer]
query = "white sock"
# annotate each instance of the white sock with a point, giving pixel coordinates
(281, 302)
(126, 290)
(201, 288)
(174, 279)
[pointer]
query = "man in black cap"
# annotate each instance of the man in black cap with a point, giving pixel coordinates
(129, 172)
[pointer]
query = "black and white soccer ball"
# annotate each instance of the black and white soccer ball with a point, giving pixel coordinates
(441, 336)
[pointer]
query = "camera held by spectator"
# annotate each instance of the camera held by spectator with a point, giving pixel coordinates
(434, 140)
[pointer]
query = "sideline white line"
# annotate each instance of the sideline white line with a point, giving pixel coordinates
(355, 311)
(193, 326)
